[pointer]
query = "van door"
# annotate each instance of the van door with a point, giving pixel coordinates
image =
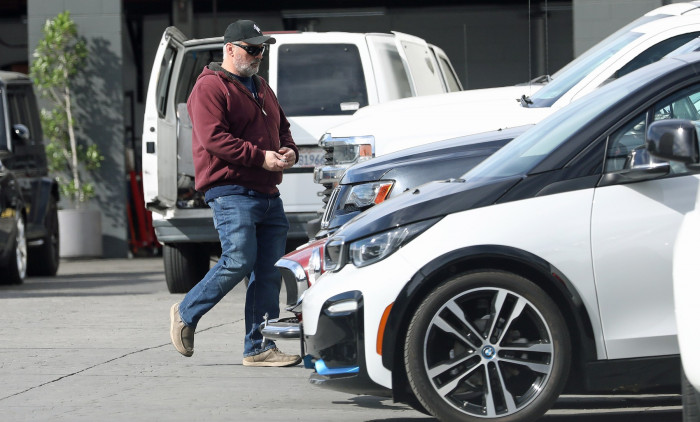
(423, 69)
(159, 147)
(450, 80)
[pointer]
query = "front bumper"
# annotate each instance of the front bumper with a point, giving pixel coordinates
(336, 350)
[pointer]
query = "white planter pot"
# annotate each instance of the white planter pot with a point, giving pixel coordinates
(80, 233)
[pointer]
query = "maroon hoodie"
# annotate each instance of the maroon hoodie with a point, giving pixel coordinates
(231, 132)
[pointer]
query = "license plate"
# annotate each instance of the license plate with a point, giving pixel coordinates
(310, 157)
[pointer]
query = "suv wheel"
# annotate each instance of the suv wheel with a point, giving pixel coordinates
(185, 264)
(15, 269)
(44, 259)
(487, 345)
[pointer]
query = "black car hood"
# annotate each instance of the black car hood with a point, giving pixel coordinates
(435, 199)
(475, 144)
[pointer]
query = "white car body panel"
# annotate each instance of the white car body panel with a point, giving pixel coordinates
(577, 232)
(352, 278)
(686, 291)
(643, 324)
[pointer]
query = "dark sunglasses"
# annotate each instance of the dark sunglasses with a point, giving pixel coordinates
(252, 49)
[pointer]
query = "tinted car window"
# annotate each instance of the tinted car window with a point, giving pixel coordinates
(307, 88)
(656, 52)
(682, 105)
(21, 105)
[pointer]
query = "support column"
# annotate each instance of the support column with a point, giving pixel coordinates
(99, 104)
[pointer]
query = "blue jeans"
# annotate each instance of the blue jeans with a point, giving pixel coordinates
(253, 233)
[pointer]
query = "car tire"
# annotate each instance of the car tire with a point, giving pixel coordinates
(461, 368)
(185, 265)
(44, 259)
(14, 270)
(691, 400)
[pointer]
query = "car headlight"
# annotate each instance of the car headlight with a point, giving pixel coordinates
(368, 194)
(373, 248)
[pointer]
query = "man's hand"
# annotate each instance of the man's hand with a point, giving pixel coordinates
(289, 157)
(274, 161)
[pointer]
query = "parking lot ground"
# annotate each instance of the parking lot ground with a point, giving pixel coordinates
(93, 344)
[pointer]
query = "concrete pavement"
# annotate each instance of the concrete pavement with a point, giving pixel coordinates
(93, 344)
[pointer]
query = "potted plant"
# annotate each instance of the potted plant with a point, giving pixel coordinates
(59, 59)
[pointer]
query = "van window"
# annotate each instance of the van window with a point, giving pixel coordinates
(450, 78)
(387, 61)
(164, 74)
(320, 79)
(425, 75)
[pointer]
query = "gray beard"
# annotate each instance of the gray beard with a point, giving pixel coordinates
(246, 69)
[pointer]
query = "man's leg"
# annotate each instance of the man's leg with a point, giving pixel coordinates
(262, 296)
(232, 219)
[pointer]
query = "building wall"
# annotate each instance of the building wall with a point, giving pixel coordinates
(488, 45)
(596, 19)
(98, 103)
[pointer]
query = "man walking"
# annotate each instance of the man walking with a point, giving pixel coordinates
(241, 143)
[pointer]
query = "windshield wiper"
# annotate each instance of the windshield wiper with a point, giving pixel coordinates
(525, 101)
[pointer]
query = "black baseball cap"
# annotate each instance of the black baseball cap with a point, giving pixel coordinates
(246, 31)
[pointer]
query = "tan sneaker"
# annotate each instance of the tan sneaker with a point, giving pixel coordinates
(271, 357)
(181, 335)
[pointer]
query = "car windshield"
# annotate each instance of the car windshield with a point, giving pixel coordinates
(521, 155)
(576, 70)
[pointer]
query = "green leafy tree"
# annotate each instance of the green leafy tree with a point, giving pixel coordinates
(59, 59)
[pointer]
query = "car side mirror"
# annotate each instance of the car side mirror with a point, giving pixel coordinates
(675, 140)
(20, 132)
(641, 165)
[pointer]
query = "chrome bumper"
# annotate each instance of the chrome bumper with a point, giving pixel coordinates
(281, 328)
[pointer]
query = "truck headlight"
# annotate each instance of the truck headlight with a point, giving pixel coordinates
(350, 149)
(372, 248)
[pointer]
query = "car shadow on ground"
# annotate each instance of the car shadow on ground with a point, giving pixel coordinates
(646, 408)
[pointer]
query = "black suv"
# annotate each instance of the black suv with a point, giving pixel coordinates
(28, 196)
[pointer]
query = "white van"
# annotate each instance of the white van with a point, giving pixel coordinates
(321, 79)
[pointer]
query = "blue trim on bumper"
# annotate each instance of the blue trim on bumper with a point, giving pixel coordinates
(322, 369)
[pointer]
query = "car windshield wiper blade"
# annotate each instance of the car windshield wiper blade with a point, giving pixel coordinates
(525, 101)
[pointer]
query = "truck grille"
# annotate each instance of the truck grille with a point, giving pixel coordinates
(328, 156)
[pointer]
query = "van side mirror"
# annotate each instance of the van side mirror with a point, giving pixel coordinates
(675, 140)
